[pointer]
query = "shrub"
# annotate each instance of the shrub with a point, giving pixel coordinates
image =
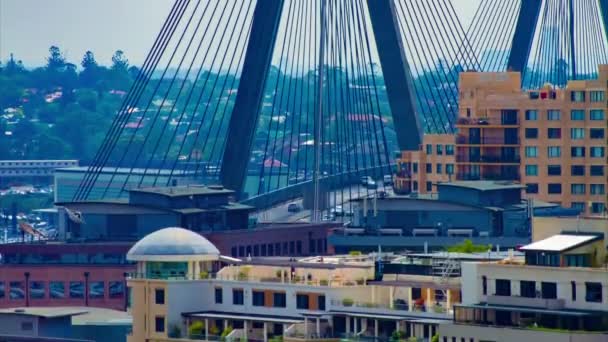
(467, 246)
(214, 330)
(354, 253)
(348, 302)
(204, 275)
(323, 282)
(196, 328)
(435, 338)
(175, 331)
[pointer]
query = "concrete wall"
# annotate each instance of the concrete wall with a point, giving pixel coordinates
(11, 325)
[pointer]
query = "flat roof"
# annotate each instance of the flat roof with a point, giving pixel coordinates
(397, 316)
(484, 185)
(281, 262)
(562, 312)
(416, 283)
(177, 191)
(245, 316)
(477, 256)
(44, 312)
(560, 242)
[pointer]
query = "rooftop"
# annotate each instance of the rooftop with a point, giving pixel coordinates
(560, 243)
(45, 312)
(178, 191)
(173, 244)
(483, 185)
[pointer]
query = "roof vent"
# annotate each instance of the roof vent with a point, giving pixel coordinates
(216, 187)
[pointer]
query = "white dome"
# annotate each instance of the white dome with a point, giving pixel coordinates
(173, 244)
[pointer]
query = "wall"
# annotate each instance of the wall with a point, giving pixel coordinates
(494, 334)
(11, 325)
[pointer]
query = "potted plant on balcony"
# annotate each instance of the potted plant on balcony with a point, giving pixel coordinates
(196, 329)
(347, 302)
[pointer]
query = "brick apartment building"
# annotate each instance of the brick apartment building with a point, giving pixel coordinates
(552, 140)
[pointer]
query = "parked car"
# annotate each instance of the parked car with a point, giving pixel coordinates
(338, 211)
(366, 179)
(371, 184)
(388, 179)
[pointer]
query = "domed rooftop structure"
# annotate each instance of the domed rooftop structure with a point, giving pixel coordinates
(173, 244)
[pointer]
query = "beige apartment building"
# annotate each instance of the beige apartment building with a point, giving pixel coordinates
(551, 140)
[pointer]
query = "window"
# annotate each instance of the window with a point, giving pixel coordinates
(238, 297)
(596, 170)
(548, 290)
(321, 300)
(596, 133)
(577, 96)
(531, 170)
(555, 188)
(279, 300)
(2, 289)
(415, 167)
(429, 149)
(577, 189)
(553, 115)
(554, 133)
(484, 285)
(36, 290)
(439, 171)
(577, 260)
(554, 170)
(415, 185)
(598, 208)
(531, 151)
(577, 115)
(116, 289)
(596, 114)
(17, 290)
(597, 189)
(159, 296)
(449, 150)
(257, 298)
(554, 151)
(531, 115)
(159, 324)
(577, 133)
(527, 289)
(503, 287)
(531, 133)
(593, 292)
(449, 169)
(429, 168)
(577, 151)
(302, 301)
(531, 188)
(597, 96)
(596, 152)
(96, 290)
(429, 186)
(439, 149)
(76, 289)
(573, 289)
(577, 170)
(580, 206)
(57, 290)
(219, 295)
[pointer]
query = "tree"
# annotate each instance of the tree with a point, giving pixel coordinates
(13, 66)
(56, 60)
(90, 70)
(119, 62)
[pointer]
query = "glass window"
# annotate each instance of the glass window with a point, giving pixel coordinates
(573, 288)
(531, 115)
(555, 188)
(96, 290)
(596, 152)
(554, 151)
(449, 150)
(439, 171)
(57, 289)
(321, 300)
(159, 295)
(593, 292)
(577, 170)
(527, 289)
(116, 289)
(415, 167)
(596, 133)
(597, 96)
(429, 168)
(484, 285)
(580, 206)
(2, 289)
(596, 170)
(531, 133)
(449, 169)
(237, 297)
(577, 115)
(577, 133)
(429, 149)
(577, 96)
(548, 290)
(598, 189)
(554, 170)
(531, 151)
(159, 324)
(302, 301)
(531, 188)
(554, 133)
(429, 186)
(553, 114)
(598, 208)
(257, 298)
(503, 287)
(218, 295)
(17, 291)
(36, 289)
(279, 300)
(577, 189)
(76, 289)
(596, 114)
(531, 170)
(439, 149)
(577, 260)
(577, 151)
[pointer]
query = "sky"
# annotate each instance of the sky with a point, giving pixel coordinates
(29, 27)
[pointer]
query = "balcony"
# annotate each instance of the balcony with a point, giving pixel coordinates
(549, 304)
(470, 140)
(489, 122)
(488, 176)
(463, 158)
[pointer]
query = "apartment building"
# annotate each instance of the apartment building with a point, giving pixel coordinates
(551, 140)
(556, 293)
(185, 290)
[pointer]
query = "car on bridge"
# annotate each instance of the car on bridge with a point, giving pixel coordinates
(294, 207)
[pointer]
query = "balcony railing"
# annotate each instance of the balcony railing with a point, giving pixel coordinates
(469, 140)
(463, 158)
(485, 121)
(550, 304)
